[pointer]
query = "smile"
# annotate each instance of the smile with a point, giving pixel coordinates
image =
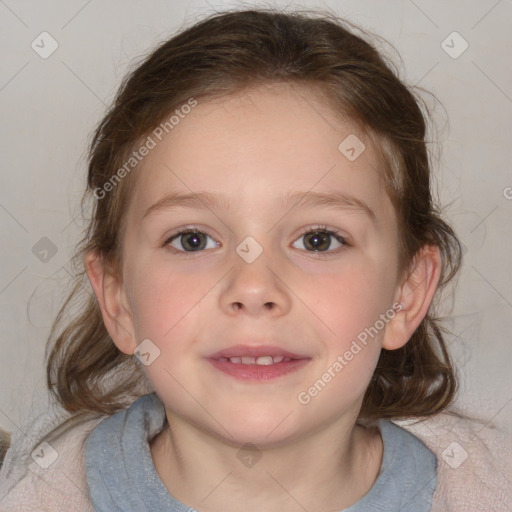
(262, 360)
(260, 369)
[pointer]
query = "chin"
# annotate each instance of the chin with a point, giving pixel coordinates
(258, 427)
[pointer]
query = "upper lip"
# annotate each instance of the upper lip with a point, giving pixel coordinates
(256, 351)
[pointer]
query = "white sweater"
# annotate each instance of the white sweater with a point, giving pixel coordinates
(474, 469)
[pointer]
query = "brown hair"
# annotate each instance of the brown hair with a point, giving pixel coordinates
(222, 55)
(5, 442)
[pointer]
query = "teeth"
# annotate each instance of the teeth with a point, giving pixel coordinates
(265, 360)
(262, 360)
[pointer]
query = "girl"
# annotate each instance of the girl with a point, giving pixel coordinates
(264, 252)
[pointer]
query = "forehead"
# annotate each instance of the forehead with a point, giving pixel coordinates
(261, 144)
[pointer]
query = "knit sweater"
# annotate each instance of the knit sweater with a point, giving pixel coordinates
(474, 468)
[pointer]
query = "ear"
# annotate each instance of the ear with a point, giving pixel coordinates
(415, 295)
(115, 309)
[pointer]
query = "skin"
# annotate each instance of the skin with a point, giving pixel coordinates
(253, 148)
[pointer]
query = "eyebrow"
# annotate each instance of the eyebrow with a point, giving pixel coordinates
(207, 200)
(332, 200)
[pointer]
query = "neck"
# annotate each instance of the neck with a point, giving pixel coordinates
(328, 470)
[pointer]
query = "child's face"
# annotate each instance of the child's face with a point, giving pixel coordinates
(254, 150)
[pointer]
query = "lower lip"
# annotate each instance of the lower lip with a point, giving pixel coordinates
(259, 372)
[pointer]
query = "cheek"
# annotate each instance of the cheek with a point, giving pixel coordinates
(163, 301)
(354, 308)
(349, 305)
(165, 309)
(351, 300)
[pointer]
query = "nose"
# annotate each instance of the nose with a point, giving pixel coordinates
(255, 289)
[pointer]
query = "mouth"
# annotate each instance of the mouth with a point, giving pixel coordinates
(259, 363)
(261, 360)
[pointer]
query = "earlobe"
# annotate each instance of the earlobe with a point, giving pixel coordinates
(112, 301)
(415, 295)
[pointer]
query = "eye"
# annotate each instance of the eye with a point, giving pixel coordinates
(319, 239)
(189, 240)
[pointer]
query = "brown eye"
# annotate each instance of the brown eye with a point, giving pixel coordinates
(321, 240)
(317, 241)
(189, 241)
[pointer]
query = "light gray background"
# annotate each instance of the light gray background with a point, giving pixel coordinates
(50, 106)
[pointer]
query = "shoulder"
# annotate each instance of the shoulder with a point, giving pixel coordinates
(474, 462)
(52, 476)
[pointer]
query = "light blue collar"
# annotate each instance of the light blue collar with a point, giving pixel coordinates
(122, 477)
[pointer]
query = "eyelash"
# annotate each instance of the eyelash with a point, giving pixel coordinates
(305, 231)
(324, 229)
